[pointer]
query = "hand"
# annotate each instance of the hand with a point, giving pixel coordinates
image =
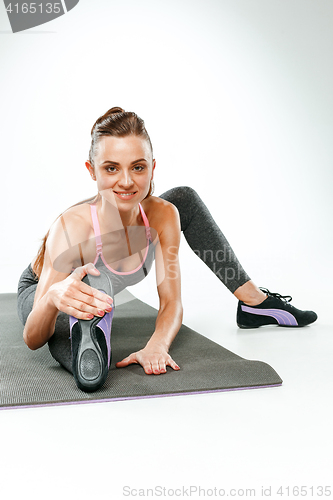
(78, 299)
(154, 360)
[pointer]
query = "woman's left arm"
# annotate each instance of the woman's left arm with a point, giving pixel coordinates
(154, 357)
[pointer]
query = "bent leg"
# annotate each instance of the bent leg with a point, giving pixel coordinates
(205, 237)
(59, 344)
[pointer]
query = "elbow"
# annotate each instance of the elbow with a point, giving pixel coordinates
(176, 304)
(180, 308)
(181, 314)
(29, 342)
(180, 311)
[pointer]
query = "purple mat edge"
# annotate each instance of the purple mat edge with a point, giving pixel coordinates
(110, 400)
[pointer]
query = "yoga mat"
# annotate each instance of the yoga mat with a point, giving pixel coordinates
(34, 378)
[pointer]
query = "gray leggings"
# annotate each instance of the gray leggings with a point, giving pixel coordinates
(201, 233)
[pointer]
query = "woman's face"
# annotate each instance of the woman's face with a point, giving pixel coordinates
(123, 169)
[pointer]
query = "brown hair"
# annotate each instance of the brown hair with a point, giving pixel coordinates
(115, 122)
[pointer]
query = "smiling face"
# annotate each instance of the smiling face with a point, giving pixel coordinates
(123, 168)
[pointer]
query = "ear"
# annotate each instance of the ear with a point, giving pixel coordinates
(154, 165)
(91, 170)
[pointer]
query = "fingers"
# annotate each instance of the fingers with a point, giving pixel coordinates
(133, 358)
(173, 364)
(77, 313)
(80, 272)
(151, 366)
(75, 298)
(87, 299)
(81, 310)
(92, 296)
(158, 367)
(89, 268)
(82, 301)
(127, 361)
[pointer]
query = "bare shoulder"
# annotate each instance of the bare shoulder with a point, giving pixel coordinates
(62, 248)
(161, 214)
(76, 221)
(68, 231)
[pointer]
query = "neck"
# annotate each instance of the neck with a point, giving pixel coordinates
(113, 219)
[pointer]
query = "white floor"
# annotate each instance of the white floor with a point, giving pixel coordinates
(230, 440)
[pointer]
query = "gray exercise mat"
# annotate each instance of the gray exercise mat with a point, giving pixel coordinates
(34, 378)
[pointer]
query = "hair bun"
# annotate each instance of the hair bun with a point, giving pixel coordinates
(113, 111)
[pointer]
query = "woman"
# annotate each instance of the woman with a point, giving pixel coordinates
(111, 238)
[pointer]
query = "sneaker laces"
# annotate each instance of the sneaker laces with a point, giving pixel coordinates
(284, 298)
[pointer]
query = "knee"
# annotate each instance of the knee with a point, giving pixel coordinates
(24, 307)
(186, 190)
(186, 193)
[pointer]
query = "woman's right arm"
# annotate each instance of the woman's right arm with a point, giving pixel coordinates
(61, 291)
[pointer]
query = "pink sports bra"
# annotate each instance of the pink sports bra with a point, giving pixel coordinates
(99, 251)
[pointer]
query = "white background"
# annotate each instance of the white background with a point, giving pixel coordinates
(237, 98)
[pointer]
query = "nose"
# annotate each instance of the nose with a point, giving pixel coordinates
(125, 180)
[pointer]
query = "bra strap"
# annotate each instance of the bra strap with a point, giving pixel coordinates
(146, 222)
(97, 229)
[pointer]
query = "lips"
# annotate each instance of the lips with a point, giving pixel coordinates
(125, 195)
(125, 192)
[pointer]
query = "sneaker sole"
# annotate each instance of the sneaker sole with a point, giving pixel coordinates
(89, 362)
(273, 324)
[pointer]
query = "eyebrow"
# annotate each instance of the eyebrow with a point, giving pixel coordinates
(116, 163)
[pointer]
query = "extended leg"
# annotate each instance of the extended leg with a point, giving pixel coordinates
(256, 306)
(209, 243)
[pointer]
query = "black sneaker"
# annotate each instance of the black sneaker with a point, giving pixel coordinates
(274, 310)
(91, 341)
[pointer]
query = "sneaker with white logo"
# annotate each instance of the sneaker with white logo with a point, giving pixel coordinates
(274, 310)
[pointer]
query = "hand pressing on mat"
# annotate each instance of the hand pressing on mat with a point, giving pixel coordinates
(153, 358)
